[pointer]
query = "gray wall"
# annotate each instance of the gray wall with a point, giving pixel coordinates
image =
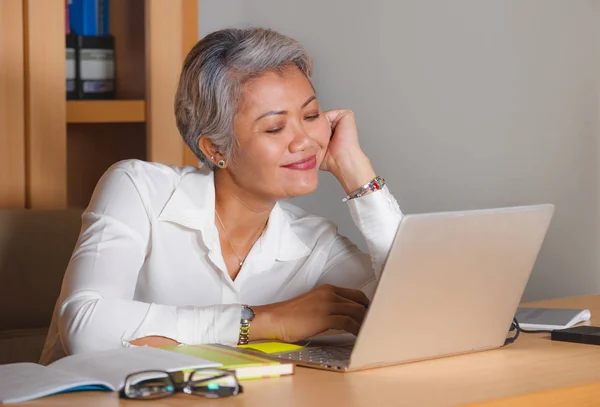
(461, 104)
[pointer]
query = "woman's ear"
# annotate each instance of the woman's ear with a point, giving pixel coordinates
(209, 149)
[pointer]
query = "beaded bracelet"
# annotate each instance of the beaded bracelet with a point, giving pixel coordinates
(375, 184)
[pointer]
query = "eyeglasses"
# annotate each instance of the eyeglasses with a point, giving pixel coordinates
(155, 384)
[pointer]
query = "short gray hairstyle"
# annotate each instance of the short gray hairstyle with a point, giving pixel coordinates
(211, 81)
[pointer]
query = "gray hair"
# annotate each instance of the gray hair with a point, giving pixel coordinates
(211, 81)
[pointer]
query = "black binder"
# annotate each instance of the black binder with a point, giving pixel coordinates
(71, 67)
(96, 67)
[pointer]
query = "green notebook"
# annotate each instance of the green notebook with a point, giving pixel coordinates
(247, 365)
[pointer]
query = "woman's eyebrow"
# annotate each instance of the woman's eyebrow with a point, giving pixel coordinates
(310, 99)
(277, 112)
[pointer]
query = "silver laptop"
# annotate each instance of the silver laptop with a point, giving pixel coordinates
(451, 284)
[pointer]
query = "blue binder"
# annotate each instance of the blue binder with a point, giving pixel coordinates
(89, 17)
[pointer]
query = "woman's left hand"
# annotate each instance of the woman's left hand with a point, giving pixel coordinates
(344, 157)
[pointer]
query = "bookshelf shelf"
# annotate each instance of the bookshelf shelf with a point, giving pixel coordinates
(106, 111)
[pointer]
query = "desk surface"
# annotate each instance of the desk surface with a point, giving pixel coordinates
(532, 371)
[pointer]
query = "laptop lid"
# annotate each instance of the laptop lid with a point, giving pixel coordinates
(451, 284)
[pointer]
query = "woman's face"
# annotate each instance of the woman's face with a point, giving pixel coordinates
(282, 136)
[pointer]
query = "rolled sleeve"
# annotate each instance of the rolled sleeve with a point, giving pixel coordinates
(216, 324)
(191, 325)
(377, 216)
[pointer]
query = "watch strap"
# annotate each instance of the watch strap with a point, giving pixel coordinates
(244, 337)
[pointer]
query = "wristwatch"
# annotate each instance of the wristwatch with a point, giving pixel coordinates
(247, 317)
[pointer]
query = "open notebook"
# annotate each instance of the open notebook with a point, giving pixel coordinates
(550, 318)
(95, 371)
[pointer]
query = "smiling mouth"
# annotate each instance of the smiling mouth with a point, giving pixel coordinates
(302, 165)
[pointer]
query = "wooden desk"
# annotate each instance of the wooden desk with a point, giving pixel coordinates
(532, 371)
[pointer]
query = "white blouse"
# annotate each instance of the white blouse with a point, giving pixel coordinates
(148, 261)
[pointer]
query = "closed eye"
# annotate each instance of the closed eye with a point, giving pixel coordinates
(313, 117)
(274, 131)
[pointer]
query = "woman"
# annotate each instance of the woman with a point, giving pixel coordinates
(213, 254)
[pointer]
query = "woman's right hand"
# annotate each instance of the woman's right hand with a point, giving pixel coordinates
(324, 307)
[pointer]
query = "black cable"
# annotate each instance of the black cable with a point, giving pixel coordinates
(536, 331)
(513, 326)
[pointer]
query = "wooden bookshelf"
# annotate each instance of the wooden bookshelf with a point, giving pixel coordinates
(59, 148)
(45, 107)
(12, 106)
(106, 111)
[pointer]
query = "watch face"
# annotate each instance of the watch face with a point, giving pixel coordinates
(247, 313)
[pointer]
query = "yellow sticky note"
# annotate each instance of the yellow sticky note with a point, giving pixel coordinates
(271, 347)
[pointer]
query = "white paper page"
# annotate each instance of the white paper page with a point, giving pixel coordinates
(550, 318)
(113, 366)
(28, 381)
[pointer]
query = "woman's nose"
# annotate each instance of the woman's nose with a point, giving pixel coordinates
(301, 141)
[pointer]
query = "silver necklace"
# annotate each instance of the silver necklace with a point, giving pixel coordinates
(240, 260)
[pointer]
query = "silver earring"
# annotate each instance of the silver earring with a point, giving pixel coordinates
(221, 163)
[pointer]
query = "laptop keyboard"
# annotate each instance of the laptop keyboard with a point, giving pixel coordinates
(324, 355)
